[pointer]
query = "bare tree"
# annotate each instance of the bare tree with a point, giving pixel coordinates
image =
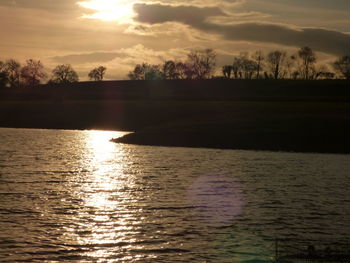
(250, 67)
(169, 70)
(342, 65)
(243, 67)
(137, 73)
(97, 74)
(258, 57)
(201, 63)
(321, 72)
(308, 60)
(32, 73)
(276, 63)
(12, 69)
(238, 65)
(64, 74)
(181, 69)
(154, 73)
(226, 71)
(2, 66)
(291, 70)
(146, 71)
(3, 75)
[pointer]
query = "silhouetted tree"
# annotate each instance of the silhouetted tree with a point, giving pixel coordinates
(290, 67)
(138, 73)
(243, 67)
(64, 74)
(326, 75)
(97, 74)
(321, 72)
(250, 67)
(32, 73)
(169, 70)
(3, 80)
(308, 60)
(201, 64)
(181, 69)
(342, 65)
(258, 57)
(12, 69)
(154, 73)
(3, 75)
(276, 63)
(237, 66)
(226, 71)
(146, 71)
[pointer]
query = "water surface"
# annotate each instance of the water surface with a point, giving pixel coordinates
(75, 196)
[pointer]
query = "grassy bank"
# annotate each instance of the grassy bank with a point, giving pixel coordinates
(292, 126)
(294, 118)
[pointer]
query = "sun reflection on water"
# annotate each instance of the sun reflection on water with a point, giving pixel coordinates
(106, 166)
(104, 218)
(98, 142)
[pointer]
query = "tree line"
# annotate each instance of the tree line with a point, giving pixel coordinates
(32, 73)
(278, 64)
(199, 64)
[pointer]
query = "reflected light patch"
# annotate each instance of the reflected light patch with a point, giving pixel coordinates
(120, 11)
(103, 179)
(99, 142)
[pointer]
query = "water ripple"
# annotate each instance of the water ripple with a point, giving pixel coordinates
(74, 196)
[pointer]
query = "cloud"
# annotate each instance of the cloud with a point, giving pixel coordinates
(88, 57)
(329, 41)
(191, 15)
(40, 4)
(119, 62)
(320, 4)
(48, 5)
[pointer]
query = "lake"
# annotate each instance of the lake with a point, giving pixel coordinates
(74, 196)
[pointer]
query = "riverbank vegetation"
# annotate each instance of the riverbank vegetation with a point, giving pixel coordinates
(199, 65)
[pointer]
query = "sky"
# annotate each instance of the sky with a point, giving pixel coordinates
(119, 34)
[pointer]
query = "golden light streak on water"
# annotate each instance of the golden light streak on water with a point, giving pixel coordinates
(102, 194)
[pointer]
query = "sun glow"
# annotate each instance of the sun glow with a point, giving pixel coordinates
(109, 10)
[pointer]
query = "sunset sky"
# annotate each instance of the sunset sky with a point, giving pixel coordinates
(119, 34)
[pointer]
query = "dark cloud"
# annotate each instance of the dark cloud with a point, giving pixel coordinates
(324, 40)
(324, 4)
(191, 15)
(88, 58)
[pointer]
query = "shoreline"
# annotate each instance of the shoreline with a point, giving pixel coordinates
(189, 140)
(205, 140)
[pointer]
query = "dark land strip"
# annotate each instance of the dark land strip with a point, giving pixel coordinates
(302, 116)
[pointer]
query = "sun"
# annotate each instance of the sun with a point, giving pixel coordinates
(109, 10)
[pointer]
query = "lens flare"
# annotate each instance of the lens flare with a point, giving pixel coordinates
(217, 199)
